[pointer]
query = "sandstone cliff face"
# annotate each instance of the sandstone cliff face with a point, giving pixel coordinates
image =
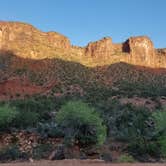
(100, 49)
(160, 57)
(136, 50)
(26, 41)
(141, 51)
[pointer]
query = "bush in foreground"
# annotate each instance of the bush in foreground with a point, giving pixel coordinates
(81, 124)
(126, 158)
(25, 119)
(12, 153)
(7, 115)
(160, 127)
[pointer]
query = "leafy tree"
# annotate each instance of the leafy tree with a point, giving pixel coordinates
(160, 130)
(81, 124)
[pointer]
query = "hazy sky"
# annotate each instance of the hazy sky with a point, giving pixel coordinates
(89, 20)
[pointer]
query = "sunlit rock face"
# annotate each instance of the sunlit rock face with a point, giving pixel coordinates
(26, 41)
(141, 50)
(100, 49)
(0, 38)
(136, 50)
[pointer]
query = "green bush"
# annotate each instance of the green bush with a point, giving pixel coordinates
(11, 153)
(7, 115)
(40, 105)
(42, 151)
(162, 144)
(126, 158)
(134, 125)
(81, 123)
(143, 149)
(125, 122)
(25, 119)
(160, 130)
(49, 130)
(160, 122)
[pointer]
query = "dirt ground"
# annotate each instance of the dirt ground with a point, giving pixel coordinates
(76, 163)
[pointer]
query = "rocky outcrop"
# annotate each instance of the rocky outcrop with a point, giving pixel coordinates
(160, 59)
(28, 42)
(136, 50)
(100, 49)
(141, 51)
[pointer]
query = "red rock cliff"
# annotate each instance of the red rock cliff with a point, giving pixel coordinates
(26, 41)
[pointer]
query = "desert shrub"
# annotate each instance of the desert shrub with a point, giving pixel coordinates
(42, 105)
(7, 115)
(162, 144)
(106, 156)
(141, 88)
(126, 122)
(42, 151)
(154, 143)
(49, 130)
(134, 125)
(149, 141)
(34, 110)
(11, 153)
(25, 119)
(126, 158)
(96, 93)
(160, 122)
(81, 123)
(160, 130)
(110, 110)
(143, 149)
(21, 71)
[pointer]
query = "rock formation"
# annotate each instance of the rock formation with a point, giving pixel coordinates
(26, 41)
(101, 48)
(141, 50)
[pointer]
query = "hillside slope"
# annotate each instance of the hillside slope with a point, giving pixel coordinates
(33, 62)
(23, 77)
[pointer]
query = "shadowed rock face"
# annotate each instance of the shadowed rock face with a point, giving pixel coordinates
(26, 41)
